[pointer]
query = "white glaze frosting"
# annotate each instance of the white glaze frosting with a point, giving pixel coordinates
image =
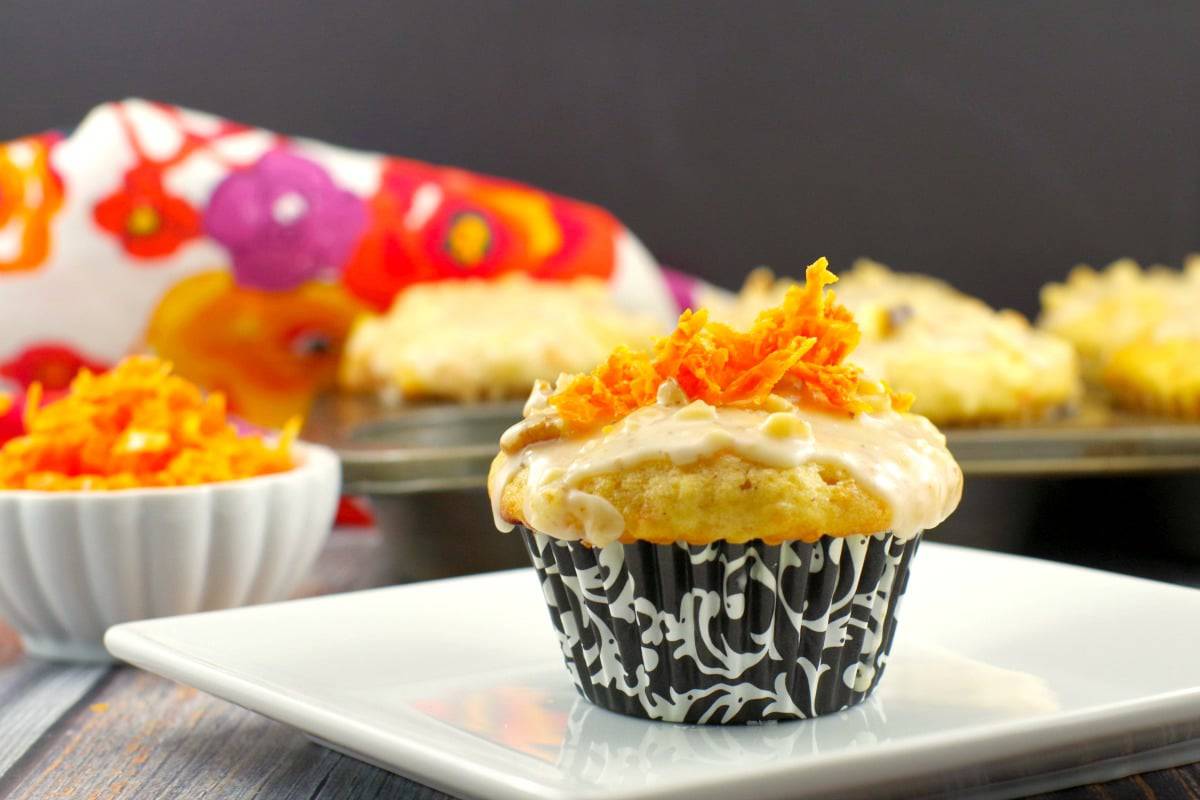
(899, 458)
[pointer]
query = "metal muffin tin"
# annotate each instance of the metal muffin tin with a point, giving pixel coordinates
(1094, 440)
(405, 449)
(423, 467)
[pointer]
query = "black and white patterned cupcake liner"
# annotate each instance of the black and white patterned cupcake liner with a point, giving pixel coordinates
(724, 633)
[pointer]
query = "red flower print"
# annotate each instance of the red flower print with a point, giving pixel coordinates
(149, 222)
(429, 223)
(51, 364)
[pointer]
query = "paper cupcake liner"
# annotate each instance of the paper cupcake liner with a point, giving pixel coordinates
(724, 633)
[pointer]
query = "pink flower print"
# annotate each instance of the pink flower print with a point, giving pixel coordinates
(284, 222)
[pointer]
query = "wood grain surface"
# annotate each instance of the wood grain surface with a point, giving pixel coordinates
(103, 733)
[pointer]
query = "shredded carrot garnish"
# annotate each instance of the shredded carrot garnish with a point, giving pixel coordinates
(796, 349)
(135, 426)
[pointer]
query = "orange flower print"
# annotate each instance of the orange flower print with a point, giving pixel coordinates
(149, 222)
(431, 223)
(269, 351)
(30, 195)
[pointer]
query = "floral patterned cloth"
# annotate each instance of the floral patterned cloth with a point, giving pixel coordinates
(244, 256)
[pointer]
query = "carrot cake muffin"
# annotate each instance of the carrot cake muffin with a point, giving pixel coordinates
(487, 340)
(723, 523)
(966, 363)
(1137, 332)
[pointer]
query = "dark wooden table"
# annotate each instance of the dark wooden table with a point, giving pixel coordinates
(102, 732)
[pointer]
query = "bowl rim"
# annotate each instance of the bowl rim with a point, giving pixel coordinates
(309, 458)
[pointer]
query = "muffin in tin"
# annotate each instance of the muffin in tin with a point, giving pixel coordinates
(472, 340)
(1137, 332)
(723, 524)
(966, 363)
(1160, 377)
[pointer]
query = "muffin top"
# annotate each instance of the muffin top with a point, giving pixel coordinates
(966, 363)
(767, 433)
(1102, 312)
(1137, 330)
(1157, 377)
(487, 340)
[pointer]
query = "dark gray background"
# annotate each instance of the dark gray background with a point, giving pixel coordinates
(993, 143)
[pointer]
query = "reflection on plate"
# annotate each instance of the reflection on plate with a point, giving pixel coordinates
(539, 714)
(526, 719)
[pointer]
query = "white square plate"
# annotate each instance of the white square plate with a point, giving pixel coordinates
(1010, 675)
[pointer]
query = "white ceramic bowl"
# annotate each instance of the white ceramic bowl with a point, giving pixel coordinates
(74, 563)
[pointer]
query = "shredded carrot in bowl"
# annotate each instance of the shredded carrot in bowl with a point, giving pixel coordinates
(796, 349)
(135, 426)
